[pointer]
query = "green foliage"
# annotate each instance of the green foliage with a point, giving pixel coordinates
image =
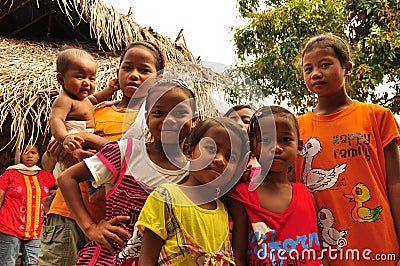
(268, 47)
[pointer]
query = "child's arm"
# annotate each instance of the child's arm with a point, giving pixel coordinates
(96, 195)
(2, 194)
(106, 93)
(392, 161)
(239, 235)
(69, 185)
(151, 248)
(55, 153)
(59, 111)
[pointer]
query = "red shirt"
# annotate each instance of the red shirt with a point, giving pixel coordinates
(22, 212)
(289, 238)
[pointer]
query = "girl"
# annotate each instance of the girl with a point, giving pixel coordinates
(274, 220)
(186, 224)
(350, 159)
(139, 62)
(135, 167)
(22, 189)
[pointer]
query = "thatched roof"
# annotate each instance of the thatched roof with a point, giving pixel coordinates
(81, 21)
(27, 66)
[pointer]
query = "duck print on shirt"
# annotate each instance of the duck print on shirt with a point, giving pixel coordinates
(360, 213)
(331, 236)
(317, 179)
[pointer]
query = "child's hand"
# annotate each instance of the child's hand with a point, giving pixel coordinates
(106, 103)
(71, 143)
(246, 174)
(114, 84)
(77, 156)
(47, 201)
(56, 152)
(105, 231)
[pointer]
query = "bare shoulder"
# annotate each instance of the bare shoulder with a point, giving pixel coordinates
(63, 99)
(83, 103)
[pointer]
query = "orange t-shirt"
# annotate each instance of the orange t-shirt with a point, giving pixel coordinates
(112, 123)
(343, 165)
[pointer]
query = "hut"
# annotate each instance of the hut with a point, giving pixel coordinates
(31, 34)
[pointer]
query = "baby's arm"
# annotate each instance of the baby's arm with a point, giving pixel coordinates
(239, 235)
(106, 93)
(61, 108)
(392, 161)
(92, 140)
(69, 185)
(151, 248)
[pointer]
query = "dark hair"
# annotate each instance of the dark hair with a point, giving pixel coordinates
(340, 47)
(29, 144)
(162, 85)
(237, 108)
(158, 55)
(64, 57)
(203, 126)
(267, 111)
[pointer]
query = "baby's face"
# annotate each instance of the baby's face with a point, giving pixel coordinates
(79, 80)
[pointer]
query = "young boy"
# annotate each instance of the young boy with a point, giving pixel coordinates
(73, 110)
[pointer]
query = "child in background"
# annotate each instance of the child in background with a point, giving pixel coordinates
(242, 114)
(61, 236)
(271, 214)
(350, 161)
(187, 224)
(135, 167)
(22, 189)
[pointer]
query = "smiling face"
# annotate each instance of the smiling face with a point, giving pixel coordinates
(282, 153)
(136, 67)
(214, 157)
(323, 72)
(171, 116)
(30, 156)
(79, 79)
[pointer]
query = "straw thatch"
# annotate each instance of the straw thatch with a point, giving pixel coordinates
(85, 21)
(27, 66)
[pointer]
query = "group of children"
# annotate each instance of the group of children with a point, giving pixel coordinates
(182, 196)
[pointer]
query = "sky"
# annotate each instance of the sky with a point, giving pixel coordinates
(206, 24)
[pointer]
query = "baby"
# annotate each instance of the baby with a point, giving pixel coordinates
(73, 110)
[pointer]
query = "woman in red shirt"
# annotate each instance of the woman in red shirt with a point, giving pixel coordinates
(22, 189)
